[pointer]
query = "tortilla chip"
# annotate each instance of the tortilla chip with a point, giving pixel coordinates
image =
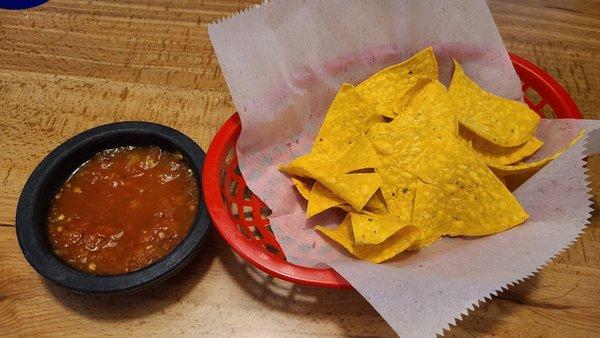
(523, 167)
(501, 121)
(432, 109)
(528, 167)
(346, 207)
(348, 116)
(334, 172)
(399, 152)
(321, 199)
(375, 253)
(457, 194)
(495, 155)
(400, 145)
(304, 166)
(303, 187)
(373, 229)
(390, 89)
(376, 204)
(356, 189)
(358, 154)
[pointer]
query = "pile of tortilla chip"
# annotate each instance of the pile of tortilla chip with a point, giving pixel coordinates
(410, 160)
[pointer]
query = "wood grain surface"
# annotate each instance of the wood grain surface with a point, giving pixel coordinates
(70, 65)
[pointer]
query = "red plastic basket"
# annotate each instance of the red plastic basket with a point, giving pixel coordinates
(242, 218)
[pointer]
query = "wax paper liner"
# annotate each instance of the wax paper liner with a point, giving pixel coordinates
(285, 60)
(283, 63)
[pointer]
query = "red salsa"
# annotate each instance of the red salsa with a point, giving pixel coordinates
(123, 210)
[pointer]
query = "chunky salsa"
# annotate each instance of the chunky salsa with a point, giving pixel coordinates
(123, 210)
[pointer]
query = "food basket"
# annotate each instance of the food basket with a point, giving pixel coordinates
(242, 218)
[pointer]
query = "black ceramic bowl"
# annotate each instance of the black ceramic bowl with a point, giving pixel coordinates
(34, 205)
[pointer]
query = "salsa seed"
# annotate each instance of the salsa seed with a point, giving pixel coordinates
(77, 190)
(60, 217)
(59, 228)
(192, 207)
(92, 266)
(161, 234)
(148, 247)
(117, 235)
(57, 196)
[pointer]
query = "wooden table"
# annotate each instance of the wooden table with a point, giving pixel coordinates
(70, 65)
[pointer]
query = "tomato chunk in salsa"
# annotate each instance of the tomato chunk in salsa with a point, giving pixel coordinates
(123, 210)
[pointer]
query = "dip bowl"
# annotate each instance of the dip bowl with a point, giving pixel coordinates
(38, 193)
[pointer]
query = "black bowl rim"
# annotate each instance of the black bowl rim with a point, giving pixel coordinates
(52, 268)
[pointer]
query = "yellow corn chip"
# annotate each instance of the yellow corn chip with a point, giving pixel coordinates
(359, 154)
(346, 207)
(389, 90)
(527, 167)
(373, 229)
(332, 171)
(377, 204)
(495, 155)
(348, 116)
(400, 143)
(432, 109)
(523, 167)
(400, 152)
(501, 121)
(356, 189)
(457, 194)
(305, 166)
(321, 199)
(303, 187)
(375, 253)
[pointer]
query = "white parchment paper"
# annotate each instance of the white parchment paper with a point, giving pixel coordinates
(283, 63)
